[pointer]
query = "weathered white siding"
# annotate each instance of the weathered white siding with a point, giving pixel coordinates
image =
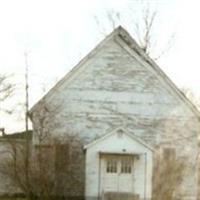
(113, 83)
(115, 88)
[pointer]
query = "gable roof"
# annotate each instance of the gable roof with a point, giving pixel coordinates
(115, 131)
(122, 37)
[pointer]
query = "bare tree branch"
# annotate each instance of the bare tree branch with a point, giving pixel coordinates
(144, 27)
(6, 88)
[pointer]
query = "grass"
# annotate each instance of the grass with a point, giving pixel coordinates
(11, 198)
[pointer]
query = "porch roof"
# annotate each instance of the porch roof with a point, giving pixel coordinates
(115, 131)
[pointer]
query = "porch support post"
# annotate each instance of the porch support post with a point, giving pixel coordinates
(99, 177)
(145, 175)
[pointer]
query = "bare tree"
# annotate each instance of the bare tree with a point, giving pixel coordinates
(14, 167)
(13, 163)
(144, 27)
(31, 172)
(61, 177)
(168, 174)
(169, 169)
(52, 160)
(6, 90)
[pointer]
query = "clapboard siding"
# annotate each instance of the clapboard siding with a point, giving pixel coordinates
(114, 88)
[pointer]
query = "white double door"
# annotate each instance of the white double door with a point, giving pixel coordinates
(117, 173)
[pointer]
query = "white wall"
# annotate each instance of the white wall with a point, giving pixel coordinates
(114, 88)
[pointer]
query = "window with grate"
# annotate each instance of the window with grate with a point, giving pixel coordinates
(126, 165)
(111, 166)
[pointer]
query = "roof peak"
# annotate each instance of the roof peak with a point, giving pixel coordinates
(121, 35)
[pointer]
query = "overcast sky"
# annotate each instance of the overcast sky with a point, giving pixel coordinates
(58, 33)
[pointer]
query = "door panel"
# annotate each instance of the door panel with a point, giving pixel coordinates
(126, 174)
(117, 174)
(110, 173)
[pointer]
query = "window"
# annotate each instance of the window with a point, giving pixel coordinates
(111, 166)
(126, 164)
(119, 164)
